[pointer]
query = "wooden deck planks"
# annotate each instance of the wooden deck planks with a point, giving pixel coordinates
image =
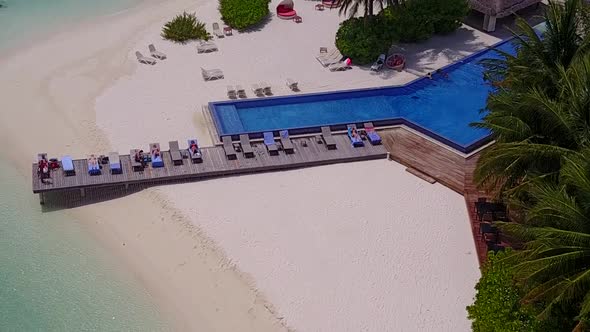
(214, 164)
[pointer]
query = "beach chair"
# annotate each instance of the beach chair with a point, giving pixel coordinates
(194, 151)
(217, 30)
(136, 164)
(293, 85)
(68, 166)
(265, 88)
(354, 136)
(211, 74)
(115, 163)
(156, 154)
(330, 59)
(240, 91)
(156, 54)
(328, 138)
(206, 47)
(271, 146)
(324, 54)
(231, 92)
(286, 142)
(246, 146)
(378, 64)
(93, 165)
(372, 135)
(258, 91)
(175, 153)
(144, 59)
(228, 147)
(340, 66)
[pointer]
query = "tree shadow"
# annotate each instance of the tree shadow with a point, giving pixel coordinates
(504, 26)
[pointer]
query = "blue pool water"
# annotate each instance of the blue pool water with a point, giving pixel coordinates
(442, 107)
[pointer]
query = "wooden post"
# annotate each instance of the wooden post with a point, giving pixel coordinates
(41, 199)
(82, 192)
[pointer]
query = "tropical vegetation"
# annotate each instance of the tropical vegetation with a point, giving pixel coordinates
(364, 38)
(539, 115)
(185, 27)
(241, 14)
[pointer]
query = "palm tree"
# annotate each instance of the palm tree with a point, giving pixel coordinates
(554, 266)
(352, 7)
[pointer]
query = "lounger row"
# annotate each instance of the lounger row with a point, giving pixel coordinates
(259, 90)
(139, 159)
(155, 54)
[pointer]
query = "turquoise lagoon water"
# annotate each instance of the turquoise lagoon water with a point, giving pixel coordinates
(53, 275)
(21, 20)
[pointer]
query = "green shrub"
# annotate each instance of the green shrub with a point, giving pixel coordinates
(362, 39)
(412, 21)
(185, 27)
(449, 15)
(497, 305)
(242, 14)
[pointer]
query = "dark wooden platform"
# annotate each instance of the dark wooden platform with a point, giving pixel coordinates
(214, 164)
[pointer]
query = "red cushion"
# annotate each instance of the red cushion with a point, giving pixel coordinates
(286, 12)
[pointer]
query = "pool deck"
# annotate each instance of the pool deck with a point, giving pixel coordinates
(215, 164)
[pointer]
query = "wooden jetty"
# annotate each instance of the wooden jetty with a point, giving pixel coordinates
(308, 152)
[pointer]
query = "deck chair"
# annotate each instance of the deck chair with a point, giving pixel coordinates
(211, 74)
(144, 59)
(231, 92)
(330, 59)
(265, 88)
(194, 151)
(246, 146)
(327, 55)
(217, 31)
(175, 153)
(354, 136)
(372, 135)
(271, 146)
(293, 85)
(258, 91)
(228, 147)
(328, 138)
(156, 54)
(206, 47)
(340, 66)
(93, 165)
(67, 164)
(136, 165)
(378, 64)
(115, 163)
(240, 91)
(286, 142)
(156, 154)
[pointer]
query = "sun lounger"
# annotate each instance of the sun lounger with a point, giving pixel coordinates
(156, 155)
(355, 137)
(324, 54)
(240, 91)
(144, 59)
(378, 64)
(286, 142)
(136, 165)
(211, 74)
(372, 135)
(68, 166)
(246, 146)
(228, 147)
(231, 92)
(194, 151)
(293, 85)
(265, 88)
(206, 47)
(175, 153)
(115, 163)
(155, 53)
(340, 66)
(258, 91)
(93, 165)
(328, 138)
(217, 31)
(330, 59)
(271, 146)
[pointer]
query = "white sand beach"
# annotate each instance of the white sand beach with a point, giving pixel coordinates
(307, 250)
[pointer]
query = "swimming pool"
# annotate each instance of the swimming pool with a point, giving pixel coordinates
(441, 108)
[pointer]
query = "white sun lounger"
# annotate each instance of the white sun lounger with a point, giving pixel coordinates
(206, 47)
(155, 53)
(258, 91)
(211, 74)
(265, 88)
(240, 91)
(144, 59)
(292, 84)
(217, 31)
(231, 92)
(340, 66)
(330, 61)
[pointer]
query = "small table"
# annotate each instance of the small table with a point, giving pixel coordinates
(227, 31)
(319, 6)
(297, 19)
